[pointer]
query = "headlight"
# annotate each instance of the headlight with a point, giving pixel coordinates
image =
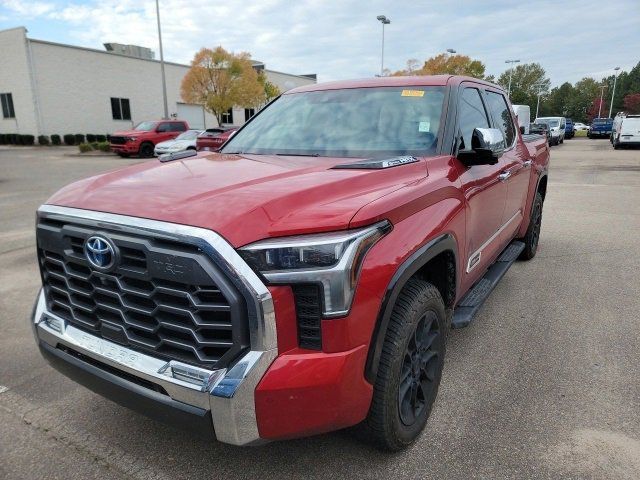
(132, 139)
(332, 260)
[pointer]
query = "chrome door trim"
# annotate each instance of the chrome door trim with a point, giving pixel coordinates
(474, 258)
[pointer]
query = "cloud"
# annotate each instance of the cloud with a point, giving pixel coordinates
(342, 38)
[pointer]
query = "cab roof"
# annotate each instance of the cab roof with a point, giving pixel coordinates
(413, 81)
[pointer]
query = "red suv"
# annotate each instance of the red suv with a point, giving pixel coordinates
(213, 138)
(144, 137)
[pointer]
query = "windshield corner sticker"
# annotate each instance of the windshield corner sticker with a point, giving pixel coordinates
(424, 126)
(412, 93)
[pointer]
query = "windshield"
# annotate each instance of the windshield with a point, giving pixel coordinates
(602, 121)
(145, 126)
(188, 135)
(358, 122)
(549, 123)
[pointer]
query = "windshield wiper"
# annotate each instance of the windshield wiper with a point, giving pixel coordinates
(298, 154)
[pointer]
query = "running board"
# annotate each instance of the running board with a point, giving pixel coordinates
(473, 300)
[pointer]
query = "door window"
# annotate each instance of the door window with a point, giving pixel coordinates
(472, 115)
(502, 116)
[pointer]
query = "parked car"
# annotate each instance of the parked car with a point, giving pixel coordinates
(600, 127)
(556, 126)
(540, 129)
(523, 114)
(569, 130)
(213, 138)
(142, 139)
(629, 132)
(184, 141)
(304, 279)
(580, 127)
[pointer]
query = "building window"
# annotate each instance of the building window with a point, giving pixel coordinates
(248, 113)
(7, 105)
(120, 109)
(227, 117)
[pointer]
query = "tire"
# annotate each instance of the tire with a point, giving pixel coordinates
(407, 382)
(146, 150)
(532, 237)
(562, 140)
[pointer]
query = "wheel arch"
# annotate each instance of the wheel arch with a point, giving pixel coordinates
(435, 262)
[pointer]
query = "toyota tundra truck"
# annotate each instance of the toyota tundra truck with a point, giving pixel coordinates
(303, 279)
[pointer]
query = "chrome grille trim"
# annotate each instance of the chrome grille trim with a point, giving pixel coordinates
(231, 395)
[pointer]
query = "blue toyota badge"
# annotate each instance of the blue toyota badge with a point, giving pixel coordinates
(100, 252)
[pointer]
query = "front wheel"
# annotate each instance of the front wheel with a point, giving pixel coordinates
(532, 237)
(410, 367)
(146, 150)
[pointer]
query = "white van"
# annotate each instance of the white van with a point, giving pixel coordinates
(523, 112)
(629, 132)
(556, 128)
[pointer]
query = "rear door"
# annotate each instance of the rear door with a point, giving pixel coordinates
(484, 192)
(516, 166)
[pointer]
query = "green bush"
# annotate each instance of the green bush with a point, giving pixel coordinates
(91, 138)
(28, 139)
(43, 140)
(101, 138)
(16, 139)
(84, 147)
(3, 140)
(55, 139)
(104, 146)
(79, 138)
(94, 145)
(69, 139)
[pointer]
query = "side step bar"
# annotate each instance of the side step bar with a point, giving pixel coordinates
(473, 300)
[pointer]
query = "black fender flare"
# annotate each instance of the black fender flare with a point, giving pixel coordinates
(405, 271)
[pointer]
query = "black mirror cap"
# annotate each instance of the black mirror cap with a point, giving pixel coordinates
(479, 156)
(521, 130)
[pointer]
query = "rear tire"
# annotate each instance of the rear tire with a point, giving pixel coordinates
(410, 367)
(532, 237)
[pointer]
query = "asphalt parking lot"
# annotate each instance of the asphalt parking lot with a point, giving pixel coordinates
(545, 382)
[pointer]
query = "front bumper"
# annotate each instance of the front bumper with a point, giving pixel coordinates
(129, 147)
(220, 401)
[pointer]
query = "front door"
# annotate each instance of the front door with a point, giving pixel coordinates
(516, 168)
(484, 192)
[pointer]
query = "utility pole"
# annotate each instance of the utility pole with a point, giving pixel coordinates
(511, 62)
(385, 21)
(602, 87)
(164, 81)
(615, 78)
(538, 104)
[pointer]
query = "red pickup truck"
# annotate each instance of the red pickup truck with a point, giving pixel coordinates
(145, 136)
(304, 279)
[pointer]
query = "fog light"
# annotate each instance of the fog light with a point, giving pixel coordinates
(54, 324)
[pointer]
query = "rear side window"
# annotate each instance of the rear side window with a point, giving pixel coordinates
(502, 116)
(177, 127)
(472, 115)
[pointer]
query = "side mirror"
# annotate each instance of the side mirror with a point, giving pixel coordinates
(522, 130)
(487, 146)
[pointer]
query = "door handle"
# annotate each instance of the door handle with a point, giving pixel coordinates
(504, 176)
(527, 163)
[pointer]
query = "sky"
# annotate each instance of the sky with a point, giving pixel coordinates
(341, 39)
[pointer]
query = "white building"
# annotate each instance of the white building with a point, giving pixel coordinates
(48, 88)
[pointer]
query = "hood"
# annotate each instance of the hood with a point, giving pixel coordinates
(128, 133)
(244, 198)
(175, 143)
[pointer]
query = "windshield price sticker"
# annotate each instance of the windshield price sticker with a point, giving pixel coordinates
(412, 93)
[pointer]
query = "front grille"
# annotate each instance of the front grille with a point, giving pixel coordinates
(163, 298)
(308, 314)
(117, 140)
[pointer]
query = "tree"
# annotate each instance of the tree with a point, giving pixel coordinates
(220, 80)
(632, 103)
(526, 81)
(443, 64)
(599, 109)
(271, 91)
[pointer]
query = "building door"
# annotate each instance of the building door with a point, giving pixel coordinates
(193, 114)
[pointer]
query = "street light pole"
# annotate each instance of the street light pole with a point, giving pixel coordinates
(164, 81)
(385, 21)
(511, 62)
(615, 78)
(602, 87)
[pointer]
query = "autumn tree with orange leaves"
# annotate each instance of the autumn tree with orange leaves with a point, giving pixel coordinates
(444, 63)
(220, 80)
